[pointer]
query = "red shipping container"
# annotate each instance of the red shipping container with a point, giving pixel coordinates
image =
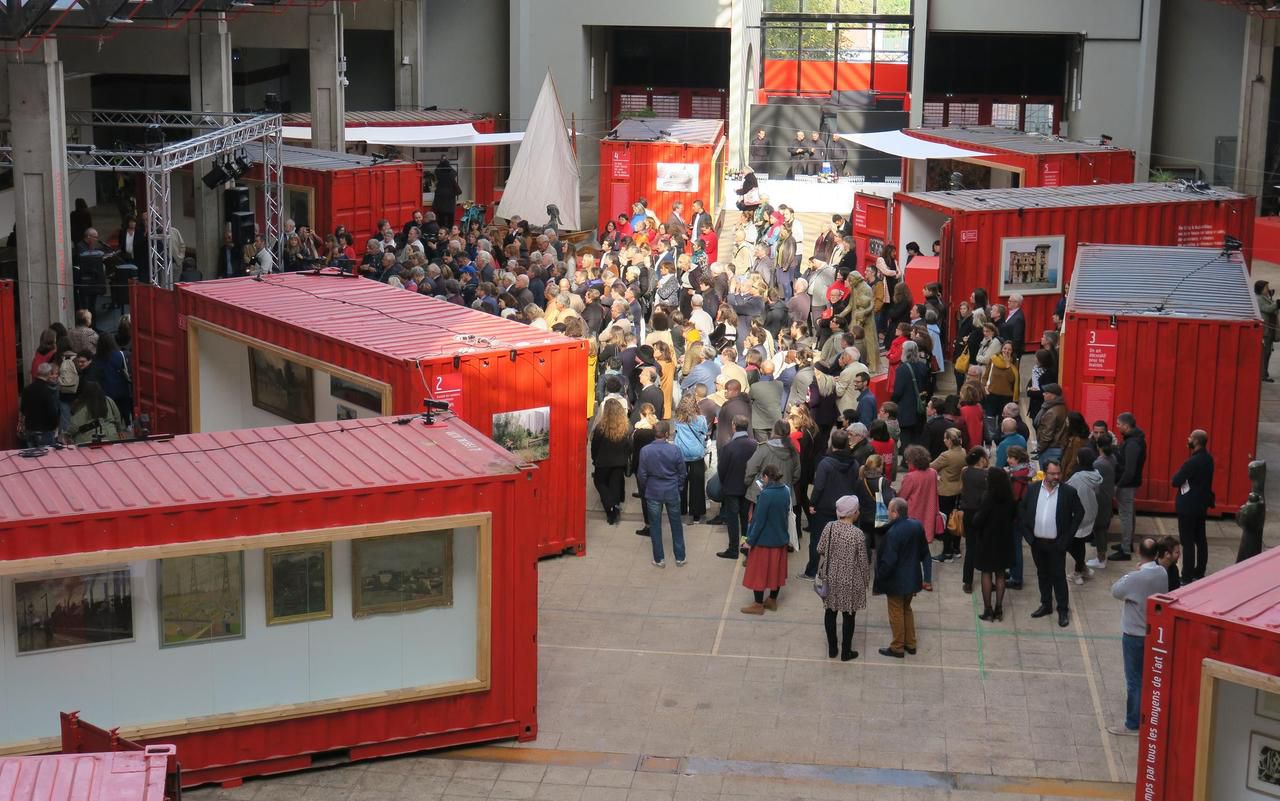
(974, 226)
(484, 158)
(1211, 686)
(663, 161)
(237, 706)
(1136, 317)
(411, 347)
(871, 226)
(1032, 159)
(121, 776)
(324, 189)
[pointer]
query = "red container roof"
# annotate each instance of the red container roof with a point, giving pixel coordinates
(443, 116)
(668, 130)
(373, 316)
(119, 776)
(1063, 197)
(248, 464)
(1247, 594)
(308, 158)
(992, 138)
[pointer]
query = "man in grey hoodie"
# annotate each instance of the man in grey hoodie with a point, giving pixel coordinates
(1087, 482)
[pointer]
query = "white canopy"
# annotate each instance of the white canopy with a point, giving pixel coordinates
(546, 169)
(462, 134)
(899, 143)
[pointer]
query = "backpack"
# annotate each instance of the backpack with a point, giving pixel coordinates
(68, 376)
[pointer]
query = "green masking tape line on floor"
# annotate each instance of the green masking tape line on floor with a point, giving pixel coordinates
(977, 624)
(993, 631)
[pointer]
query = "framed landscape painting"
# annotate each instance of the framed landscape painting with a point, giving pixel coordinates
(401, 573)
(75, 610)
(201, 598)
(281, 387)
(299, 583)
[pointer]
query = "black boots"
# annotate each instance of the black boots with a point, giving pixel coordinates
(845, 651)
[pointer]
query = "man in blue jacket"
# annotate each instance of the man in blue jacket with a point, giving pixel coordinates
(899, 575)
(662, 473)
(1194, 484)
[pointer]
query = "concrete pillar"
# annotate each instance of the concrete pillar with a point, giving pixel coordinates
(39, 138)
(919, 36)
(410, 65)
(1145, 96)
(744, 58)
(328, 78)
(1261, 38)
(210, 58)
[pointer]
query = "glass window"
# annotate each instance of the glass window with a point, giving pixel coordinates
(823, 7)
(931, 115)
(1005, 115)
(817, 42)
(855, 43)
(781, 6)
(962, 114)
(1039, 118)
(857, 6)
(893, 6)
(781, 42)
(893, 43)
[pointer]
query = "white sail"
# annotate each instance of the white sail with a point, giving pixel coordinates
(546, 170)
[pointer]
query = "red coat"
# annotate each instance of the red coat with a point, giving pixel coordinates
(920, 490)
(711, 244)
(972, 417)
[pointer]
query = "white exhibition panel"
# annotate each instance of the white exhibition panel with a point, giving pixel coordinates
(810, 196)
(132, 682)
(460, 135)
(1235, 720)
(900, 143)
(226, 396)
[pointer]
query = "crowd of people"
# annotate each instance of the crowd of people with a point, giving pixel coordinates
(825, 402)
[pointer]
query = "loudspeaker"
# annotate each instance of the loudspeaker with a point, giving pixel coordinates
(242, 228)
(234, 199)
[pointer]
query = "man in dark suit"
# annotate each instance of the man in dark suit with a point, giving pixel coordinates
(650, 392)
(1050, 517)
(699, 219)
(731, 468)
(1013, 328)
(677, 228)
(1194, 484)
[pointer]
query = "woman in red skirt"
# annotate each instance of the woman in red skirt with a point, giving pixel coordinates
(767, 541)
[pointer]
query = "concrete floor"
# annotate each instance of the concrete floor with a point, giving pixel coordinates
(654, 687)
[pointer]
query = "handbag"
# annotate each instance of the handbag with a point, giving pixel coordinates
(820, 585)
(962, 361)
(752, 197)
(955, 523)
(713, 488)
(916, 386)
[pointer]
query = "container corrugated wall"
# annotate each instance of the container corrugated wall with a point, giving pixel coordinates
(1179, 641)
(641, 179)
(1175, 374)
(972, 255)
(1050, 169)
(159, 356)
(552, 375)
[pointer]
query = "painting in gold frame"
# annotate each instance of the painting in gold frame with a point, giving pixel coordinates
(299, 583)
(401, 573)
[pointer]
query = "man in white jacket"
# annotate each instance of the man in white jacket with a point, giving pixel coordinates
(1087, 482)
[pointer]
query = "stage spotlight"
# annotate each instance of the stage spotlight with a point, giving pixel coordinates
(216, 177)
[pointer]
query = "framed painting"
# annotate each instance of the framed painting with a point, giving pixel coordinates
(1031, 265)
(281, 387)
(201, 598)
(299, 583)
(1267, 705)
(355, 394)
(1264, 764)
(526, 433)
(69, 611)
(401, 573)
